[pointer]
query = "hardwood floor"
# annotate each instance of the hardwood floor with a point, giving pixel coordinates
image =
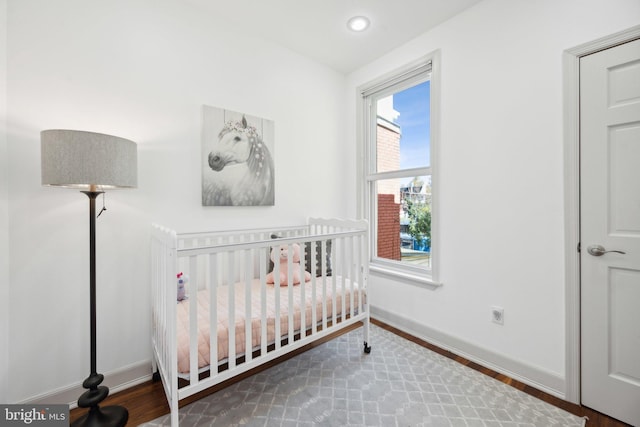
(147, 401)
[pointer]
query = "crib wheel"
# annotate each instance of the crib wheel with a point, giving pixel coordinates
(367, 348)
(156, 376)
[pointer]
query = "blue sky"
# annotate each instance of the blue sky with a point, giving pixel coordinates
(414, 121)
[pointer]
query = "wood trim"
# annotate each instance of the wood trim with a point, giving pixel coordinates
(571, 152)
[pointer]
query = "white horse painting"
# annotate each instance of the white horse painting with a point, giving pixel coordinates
(237, 164)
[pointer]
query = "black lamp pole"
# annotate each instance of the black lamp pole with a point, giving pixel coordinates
(115, 416)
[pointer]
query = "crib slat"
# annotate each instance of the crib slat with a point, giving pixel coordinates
(193, 320)
(214, 262)
(334, 282)
(247, 306)
(169, 341)
(323, 262)
(263, 295)
(364, 264)
(351, 275)
(314, 301)
(231, 304)
(303, 304)
(276, 292)
(362, 257)
(290, 291)
(343, 272)
(172, 339)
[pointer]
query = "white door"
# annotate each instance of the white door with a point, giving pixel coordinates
(610, 231)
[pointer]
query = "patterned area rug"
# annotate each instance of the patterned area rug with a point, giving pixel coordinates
(398, 384)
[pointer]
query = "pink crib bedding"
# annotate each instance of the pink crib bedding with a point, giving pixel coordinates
(256, 316)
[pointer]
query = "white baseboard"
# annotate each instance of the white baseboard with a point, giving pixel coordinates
(536, 377)
(118, 380)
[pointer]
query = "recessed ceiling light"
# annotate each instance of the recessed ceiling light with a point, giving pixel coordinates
(358, 23)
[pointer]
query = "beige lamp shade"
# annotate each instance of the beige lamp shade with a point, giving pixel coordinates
(87, 160)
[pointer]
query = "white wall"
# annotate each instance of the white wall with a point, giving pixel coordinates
(4, 212)
(501, 168)
(141, 70)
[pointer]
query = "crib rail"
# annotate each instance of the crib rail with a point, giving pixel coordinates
(163, 312)
(228, 274)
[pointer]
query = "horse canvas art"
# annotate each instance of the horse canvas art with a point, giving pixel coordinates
(237, 162)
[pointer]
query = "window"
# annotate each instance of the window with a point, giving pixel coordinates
(397, 183)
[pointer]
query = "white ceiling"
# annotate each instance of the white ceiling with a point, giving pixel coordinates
(318, 28)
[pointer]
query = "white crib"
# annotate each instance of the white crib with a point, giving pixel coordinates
(228, 286)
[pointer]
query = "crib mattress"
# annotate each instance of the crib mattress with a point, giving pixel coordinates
(256, 316)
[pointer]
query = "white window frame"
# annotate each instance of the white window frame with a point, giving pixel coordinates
(426, 68)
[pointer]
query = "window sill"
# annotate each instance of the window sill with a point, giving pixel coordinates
(410, 278)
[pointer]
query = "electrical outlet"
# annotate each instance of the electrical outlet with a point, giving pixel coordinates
(497, 315)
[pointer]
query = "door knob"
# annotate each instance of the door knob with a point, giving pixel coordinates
(598, 250)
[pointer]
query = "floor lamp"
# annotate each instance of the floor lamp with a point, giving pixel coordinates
(90, 162)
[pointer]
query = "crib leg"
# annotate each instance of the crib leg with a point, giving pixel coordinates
(365, 328)
(155, 377)
(174, 414)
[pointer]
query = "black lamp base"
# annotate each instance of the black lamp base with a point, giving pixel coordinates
(108, 416)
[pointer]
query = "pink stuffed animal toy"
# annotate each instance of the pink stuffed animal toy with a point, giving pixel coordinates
(182, 281)
(280, 255)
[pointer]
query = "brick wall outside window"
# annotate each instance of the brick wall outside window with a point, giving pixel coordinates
(388, 159)
(388, 227)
